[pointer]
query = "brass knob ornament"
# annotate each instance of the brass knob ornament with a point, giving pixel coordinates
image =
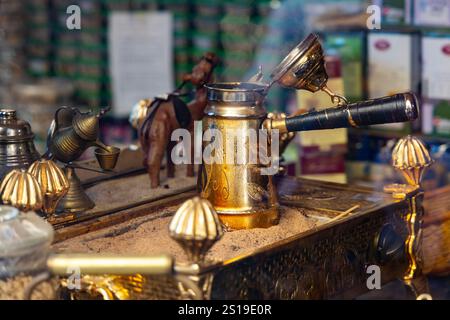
(20, 189)
(54, 183)
(196, 227)
(412, 158)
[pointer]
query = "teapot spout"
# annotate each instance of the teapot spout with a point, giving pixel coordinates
(101, 145)
(102, 111)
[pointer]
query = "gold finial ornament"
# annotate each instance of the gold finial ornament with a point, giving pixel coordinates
(21, 190)
(54, 183)
(196, 227)
(411, 157)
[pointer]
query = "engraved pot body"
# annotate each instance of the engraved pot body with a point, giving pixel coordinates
(67, 146)
(231, 176)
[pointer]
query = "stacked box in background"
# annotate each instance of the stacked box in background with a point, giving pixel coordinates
(322, 153)
(206, 28)
(12, 43)
(238, 38)
(232, 29)
(93, 75)
(39, 46)
(182, 33)
(66, 43)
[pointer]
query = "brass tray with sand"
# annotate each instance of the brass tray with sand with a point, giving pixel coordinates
(327, 236)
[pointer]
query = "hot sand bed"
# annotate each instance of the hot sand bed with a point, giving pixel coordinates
(149, 235)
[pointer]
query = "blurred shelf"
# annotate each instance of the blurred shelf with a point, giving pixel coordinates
(386, 28)
(397, 135)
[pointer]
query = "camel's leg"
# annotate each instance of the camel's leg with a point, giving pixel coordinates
(170, 164)
(158, 143)
(190, 166)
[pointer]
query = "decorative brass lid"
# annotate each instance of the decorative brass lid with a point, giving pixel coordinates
(13, 129)
(290, 61)
(236, 100)
(86, 125)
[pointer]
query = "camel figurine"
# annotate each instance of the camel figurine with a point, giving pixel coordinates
(156, 119)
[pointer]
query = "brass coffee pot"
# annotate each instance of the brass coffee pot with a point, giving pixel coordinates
(243, 196)
(70, 135)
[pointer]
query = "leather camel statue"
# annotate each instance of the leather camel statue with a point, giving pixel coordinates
(156, 119)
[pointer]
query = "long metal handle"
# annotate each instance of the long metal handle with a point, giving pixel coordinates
(64, 264)
(397, 108)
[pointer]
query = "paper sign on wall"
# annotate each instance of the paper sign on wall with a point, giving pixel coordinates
(436, 67)
(432, 13)
(140, 55)
(393, 66)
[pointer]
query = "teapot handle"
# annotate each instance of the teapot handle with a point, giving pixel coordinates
(70, 112)
(56, 124)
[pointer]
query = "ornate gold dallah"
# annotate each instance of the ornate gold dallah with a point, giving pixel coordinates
(242, 194)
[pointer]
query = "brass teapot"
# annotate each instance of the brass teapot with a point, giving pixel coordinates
(72, 132)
